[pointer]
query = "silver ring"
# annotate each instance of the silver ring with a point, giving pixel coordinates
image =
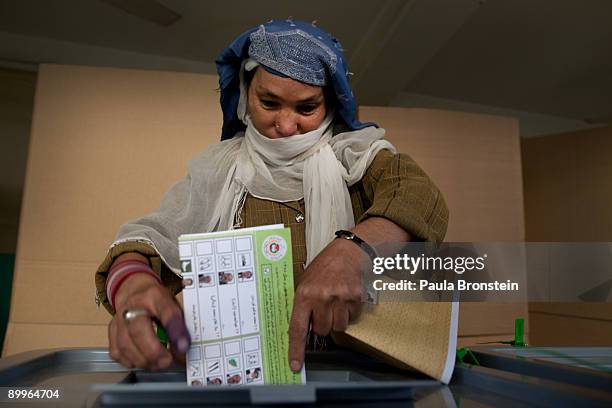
(277, 126)
(131, 314)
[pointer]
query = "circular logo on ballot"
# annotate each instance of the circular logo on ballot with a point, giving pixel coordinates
(274, 247)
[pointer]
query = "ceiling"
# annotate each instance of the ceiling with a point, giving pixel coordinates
(547, 56)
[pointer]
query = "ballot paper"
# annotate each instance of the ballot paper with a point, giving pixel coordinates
(237, 298)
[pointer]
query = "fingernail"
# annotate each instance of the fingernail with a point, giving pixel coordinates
(182, 345)
(295, 365)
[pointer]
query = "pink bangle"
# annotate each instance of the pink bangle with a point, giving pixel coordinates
(120, 272)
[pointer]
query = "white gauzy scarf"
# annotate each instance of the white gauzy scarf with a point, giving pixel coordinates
(313, 165)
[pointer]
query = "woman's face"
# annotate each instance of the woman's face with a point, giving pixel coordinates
(282, 107)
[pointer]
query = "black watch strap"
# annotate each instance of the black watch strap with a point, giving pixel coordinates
(352, 237)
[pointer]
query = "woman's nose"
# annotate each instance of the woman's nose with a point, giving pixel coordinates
(286, 124)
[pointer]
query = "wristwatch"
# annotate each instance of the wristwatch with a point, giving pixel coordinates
(362, 244)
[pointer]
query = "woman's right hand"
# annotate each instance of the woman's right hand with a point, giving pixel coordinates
(134, 343)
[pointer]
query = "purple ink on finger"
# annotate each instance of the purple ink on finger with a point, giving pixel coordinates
(178, 334)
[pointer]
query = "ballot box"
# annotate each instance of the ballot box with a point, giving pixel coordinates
(503, 376)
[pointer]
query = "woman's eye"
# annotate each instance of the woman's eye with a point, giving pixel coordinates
(307, 108)
(268, 104)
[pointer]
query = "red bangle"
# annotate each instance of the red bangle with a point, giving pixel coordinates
(119, 268)
(120, 272)
(118, 265)
(122, 278)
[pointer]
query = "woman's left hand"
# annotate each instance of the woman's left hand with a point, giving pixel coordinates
(329, 296)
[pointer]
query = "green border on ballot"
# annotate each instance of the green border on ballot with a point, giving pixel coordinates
(275, 290)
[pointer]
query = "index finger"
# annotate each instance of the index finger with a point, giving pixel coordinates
(171, 318)
(298, 332)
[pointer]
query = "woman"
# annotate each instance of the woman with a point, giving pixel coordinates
(292, 152)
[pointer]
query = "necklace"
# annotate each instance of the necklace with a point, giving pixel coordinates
(299, 217)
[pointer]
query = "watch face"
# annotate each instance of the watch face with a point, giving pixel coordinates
(345, 234)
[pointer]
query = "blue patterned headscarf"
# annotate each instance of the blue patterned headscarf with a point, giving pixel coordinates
(294, 49)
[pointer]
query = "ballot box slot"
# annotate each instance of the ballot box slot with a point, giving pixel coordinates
(135, 377)
(167, 394)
